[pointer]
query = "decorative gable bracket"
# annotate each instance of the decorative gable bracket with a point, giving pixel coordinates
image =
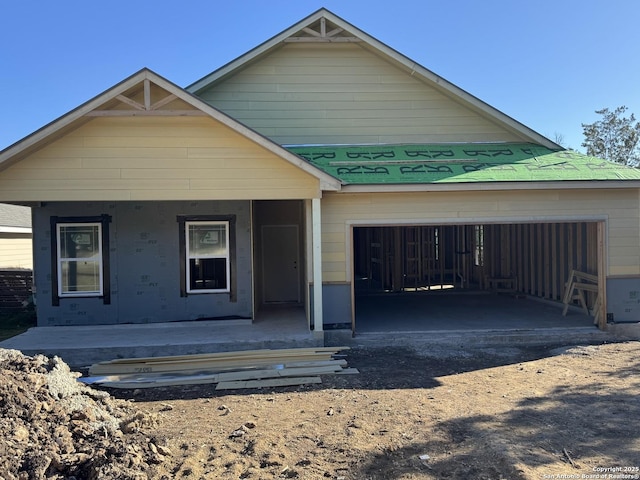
(318, 33)
(147, 108)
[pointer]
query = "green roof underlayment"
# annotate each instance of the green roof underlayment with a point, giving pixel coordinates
(459, 163)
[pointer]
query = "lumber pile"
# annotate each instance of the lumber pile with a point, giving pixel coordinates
(228, 370)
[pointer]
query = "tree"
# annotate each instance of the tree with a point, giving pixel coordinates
(613, 137)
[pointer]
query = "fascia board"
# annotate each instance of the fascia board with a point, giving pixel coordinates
(494, 186)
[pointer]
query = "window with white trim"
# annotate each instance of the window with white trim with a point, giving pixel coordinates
(208, 264)
(79, 259)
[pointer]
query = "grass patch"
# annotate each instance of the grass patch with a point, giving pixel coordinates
(14, 323)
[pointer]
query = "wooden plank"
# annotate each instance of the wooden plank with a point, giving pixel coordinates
(271, 382)
(585, 276)
(348, 371)
(321, 363)
(167, 381)
(236, 353)
(194, 378)
(276, 373)
(586, 287)
(200, 365)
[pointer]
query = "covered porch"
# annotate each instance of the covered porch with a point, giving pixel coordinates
(83, 345)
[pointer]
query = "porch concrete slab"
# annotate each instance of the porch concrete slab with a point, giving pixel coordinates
(81, 346)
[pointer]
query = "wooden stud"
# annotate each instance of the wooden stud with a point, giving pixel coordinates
(540, 262)
(562, 259)
(602, 276)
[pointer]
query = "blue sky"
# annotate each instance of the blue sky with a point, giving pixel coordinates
(548, 64)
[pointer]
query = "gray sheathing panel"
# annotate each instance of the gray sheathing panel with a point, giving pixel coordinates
(623, 299)
(144, 263)
(336, 304)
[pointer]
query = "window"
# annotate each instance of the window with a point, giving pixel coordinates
(79, 259)
(207, 258)
(80, 266)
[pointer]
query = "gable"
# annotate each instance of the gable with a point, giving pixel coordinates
(154, 158)
(324, 81)
(147, 139)
(341, 93)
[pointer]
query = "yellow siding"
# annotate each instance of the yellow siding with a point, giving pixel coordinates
(154, 158)
(620, 208)
(16, 251)
(341, 93)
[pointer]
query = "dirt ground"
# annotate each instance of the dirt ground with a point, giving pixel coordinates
(506, 413)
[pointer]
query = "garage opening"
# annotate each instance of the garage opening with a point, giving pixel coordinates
(449, 277)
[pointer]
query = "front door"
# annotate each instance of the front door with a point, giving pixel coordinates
(280, 264)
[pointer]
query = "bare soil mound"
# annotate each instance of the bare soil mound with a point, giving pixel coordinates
(53, 427)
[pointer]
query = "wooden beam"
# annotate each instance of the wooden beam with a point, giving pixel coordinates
(130, 102)
(146, 113)
(334, 32)
(161, 103)
(320, 39)
(147, 94)
(312, 32)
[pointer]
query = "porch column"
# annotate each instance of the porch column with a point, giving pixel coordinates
(316, 222)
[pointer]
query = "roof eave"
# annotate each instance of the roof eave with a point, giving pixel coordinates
(492, 186)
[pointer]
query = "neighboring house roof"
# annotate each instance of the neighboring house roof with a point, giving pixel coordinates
(118, 101)
(324, 26)
(15, 218)
(460, 163)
